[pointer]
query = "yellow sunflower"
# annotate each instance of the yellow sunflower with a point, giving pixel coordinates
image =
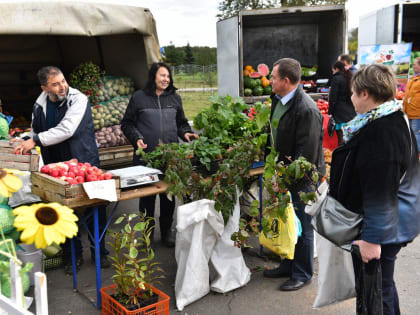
(45, 224)
(9, 182)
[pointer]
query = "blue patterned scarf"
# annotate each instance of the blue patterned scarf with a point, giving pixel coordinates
(353, 127)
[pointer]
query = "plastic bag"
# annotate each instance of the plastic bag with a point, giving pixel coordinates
(331, 126)
(248, 196)
(24, 195)
(199, 226)
(227, 261)
(368, 279)
(283, 241)
(335, 275)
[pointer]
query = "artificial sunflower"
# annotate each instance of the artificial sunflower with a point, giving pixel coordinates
(45, 224)
(9, 182)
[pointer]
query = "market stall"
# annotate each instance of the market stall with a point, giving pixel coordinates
(121, 39)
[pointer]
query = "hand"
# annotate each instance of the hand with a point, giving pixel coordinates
(141, 144)
(25, 146)
(368, 251)
(190, 136)
(15, 140)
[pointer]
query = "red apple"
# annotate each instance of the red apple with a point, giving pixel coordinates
(91, 178)
(87, 164)
(54, 173)
(45, 169)
(107, 175)
(71, 174)
(80, 179)
(100, 176)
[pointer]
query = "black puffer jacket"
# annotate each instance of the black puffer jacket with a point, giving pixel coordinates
(300, 131)
(151, 117)
(340, 104)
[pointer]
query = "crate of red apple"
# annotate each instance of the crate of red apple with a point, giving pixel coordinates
(62, 182)
(323, 106)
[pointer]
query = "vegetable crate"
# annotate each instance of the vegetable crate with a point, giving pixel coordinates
(110, 306)
(26, 162)
(116, 155)
(55, 190)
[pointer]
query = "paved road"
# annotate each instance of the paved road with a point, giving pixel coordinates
(260, 296)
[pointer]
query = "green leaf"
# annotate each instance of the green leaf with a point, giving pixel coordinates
(139, 226)
(133, 252)
(127, 228)
(119, 220)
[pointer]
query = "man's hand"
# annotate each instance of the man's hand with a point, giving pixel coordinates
(25, 146)
(368, 251)
(141, 144)
(190, 136)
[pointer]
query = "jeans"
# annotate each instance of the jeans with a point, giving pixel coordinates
(415, 124)
(390, 300)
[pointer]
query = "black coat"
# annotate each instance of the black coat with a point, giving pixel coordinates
(340, 104)
(153, 118)
(300, 131)
(365, 178)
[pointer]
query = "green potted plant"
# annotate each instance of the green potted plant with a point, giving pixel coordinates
(136, 272)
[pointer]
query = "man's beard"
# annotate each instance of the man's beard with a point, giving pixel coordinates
(57, 98)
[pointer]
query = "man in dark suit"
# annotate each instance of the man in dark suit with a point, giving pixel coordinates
(298, 133)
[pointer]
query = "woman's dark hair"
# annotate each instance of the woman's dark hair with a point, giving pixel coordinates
(341, 67)
(150, 87)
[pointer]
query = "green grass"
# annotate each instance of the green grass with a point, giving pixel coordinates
(193, 102)
(198, 80)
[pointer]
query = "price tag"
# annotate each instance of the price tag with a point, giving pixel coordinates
(102, 189)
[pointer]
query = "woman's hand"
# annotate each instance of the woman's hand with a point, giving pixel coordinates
(141, 144)
(190, 136)
(368, 251)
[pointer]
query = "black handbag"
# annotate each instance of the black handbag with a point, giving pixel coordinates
(331, 126)
(337, 224)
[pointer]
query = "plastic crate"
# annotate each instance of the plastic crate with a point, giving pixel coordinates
(53, 262)
(110, 306)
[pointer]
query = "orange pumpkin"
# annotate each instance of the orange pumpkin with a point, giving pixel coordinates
(265, 82)
(249, 68)
(246, 72)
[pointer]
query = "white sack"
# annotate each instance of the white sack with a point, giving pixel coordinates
(23, 195)
(199, 226)
(227, 260)
(336, 275)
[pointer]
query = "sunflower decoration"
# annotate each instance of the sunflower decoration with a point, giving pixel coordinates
(44, 224)
(9, 182)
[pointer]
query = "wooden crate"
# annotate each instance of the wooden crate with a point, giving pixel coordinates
(52, 189)
(115, 156)
(8, 159)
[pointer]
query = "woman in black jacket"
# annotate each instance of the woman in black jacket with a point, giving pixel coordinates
(376, 173)
(154, 115)
(340, 105)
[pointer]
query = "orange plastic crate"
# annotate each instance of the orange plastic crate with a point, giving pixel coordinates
(110, 306)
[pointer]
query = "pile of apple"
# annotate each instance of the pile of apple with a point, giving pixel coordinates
(75, 172)
(323, 106)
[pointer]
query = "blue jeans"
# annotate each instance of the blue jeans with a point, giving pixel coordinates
(415, 124)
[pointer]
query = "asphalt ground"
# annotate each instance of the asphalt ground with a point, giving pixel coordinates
(259, 296)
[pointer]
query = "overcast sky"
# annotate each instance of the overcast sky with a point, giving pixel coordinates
(194, 21)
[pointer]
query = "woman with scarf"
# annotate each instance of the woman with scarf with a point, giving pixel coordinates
(376, 173)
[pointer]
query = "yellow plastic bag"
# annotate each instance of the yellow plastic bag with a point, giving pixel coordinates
(283, 241)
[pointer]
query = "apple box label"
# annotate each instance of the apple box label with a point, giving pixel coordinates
(103, 189)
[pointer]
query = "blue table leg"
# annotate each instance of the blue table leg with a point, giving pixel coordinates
(97, 258)
(261, 209)
(73, 263)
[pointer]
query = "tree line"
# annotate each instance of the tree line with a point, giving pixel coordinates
(189, 55)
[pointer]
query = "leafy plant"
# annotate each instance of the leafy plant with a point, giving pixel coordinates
(133, 259)
(86, 78)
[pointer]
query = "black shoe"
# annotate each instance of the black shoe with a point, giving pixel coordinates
(68, 266)
(105, 263)
(293, 285)
(278, 272)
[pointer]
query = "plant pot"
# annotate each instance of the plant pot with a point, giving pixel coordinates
(158, 304)
(201, 169)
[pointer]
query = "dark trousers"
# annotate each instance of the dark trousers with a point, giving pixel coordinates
(302, 266)
(390, 300)
(78, 243)
(167, 208)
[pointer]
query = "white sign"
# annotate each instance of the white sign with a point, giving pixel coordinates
(102, 189)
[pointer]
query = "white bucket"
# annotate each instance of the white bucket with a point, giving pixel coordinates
(30, 254)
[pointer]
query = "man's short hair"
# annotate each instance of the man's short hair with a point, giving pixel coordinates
(378, 80)
(345, 58)
(46, 72)
(289, 68)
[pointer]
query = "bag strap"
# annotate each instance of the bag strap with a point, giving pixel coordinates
(411, 145)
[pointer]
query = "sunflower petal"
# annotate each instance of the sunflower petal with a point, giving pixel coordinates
(12, 182)
(69, 229)
(13, 171)
(3, 190)
(40, 239)
(29, 233)
(51, 235)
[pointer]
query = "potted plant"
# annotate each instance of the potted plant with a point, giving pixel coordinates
(136, 272)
